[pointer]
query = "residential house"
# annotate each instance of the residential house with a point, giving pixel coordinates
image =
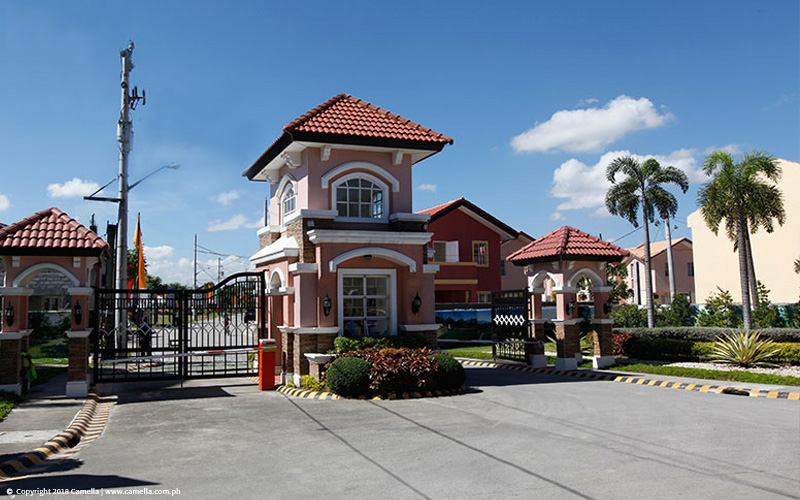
(683, 262)
(343, 252)
(717, 265)
(470, 246)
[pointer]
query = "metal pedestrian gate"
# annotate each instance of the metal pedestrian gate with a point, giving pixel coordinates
(511, 328)
(177, 334)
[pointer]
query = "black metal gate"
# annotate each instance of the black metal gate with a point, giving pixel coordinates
(511, 328)
(167, 334)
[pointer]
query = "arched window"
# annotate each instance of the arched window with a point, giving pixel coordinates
(288, 200)
(360, 198)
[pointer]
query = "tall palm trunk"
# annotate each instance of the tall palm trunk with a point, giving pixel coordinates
(744, 278)
(648, 282)
(751, 269)
(670, 262)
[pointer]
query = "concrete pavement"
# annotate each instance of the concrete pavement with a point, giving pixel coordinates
(513, 435)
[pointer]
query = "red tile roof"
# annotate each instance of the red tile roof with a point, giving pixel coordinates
(567, 243)
(344, 119)
(441, 210)
(656, 247)
(51, 232)
(344, 114)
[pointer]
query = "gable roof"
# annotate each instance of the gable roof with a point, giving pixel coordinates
(567, 243)
(475, 212)
(50, 232)
(344, 119)
(656, 248)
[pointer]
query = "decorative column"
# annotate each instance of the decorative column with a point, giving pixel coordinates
(567, 325)
(603, 328)
(537, 357)
(78, 335)
(13, 337)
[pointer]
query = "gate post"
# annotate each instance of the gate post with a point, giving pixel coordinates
(603, 329)
(537, 357)
(13, 337)
(78, 335)
(567, 329)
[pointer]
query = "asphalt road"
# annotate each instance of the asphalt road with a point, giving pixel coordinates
(514, 435)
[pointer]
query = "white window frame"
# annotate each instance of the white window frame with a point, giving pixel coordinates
(392, 273)
(450, 251)
(371, 178)
(287, 180)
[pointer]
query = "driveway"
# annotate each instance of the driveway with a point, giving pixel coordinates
(513, 435)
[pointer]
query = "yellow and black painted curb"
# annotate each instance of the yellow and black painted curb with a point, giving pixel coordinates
(329, 396)
(714, 389)
(85, 428)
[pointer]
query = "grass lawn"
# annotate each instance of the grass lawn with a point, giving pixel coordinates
(474, 352)
(8, 401)
(733, 376)
(50, 352)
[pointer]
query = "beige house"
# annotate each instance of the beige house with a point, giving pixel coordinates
(716, 264)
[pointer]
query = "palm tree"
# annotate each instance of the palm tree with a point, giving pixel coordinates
(642, 187)
(739, 194)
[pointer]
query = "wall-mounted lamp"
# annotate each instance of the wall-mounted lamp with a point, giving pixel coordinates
(77, 312)
(9, 313)
(327, 303)
(570, 307)
(607, 306)
(416, 304)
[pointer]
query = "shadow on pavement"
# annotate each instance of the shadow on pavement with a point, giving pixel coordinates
(171, 394)
(72, 481)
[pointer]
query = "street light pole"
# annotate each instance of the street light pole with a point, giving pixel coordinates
(124, 130)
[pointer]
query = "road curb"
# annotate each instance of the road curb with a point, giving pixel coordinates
(628, 379)
(329, 396)
(68, 438)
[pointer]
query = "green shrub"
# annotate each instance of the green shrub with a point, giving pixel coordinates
(678, 313)
(743, 349)
(706, 334)
(309, 382)
(349, 376)
(452, 375)
(719, 311)
(765, 315)
(629, 316)
(347, 344)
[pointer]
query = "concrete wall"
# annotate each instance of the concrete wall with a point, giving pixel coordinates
(774, 254)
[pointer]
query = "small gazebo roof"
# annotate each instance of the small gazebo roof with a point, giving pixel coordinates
(50, 232)
(567, 243)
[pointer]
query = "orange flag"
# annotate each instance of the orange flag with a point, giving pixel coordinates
(137, 242)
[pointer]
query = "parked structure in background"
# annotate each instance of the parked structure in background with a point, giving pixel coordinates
(343, 252)
(684, 271)
(470, 246)
(716, 264)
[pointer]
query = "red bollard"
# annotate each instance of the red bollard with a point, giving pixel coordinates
(266, 365)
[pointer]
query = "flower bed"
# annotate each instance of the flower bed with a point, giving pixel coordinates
(369, 372)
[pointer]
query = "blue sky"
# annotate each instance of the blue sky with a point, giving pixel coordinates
(538, 97)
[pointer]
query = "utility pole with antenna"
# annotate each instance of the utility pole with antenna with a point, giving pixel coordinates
(125, 139)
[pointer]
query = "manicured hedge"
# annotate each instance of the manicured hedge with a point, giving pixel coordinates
(452, 374)
(705, 334)
(349, 376)
(348, 344)
(684, 350)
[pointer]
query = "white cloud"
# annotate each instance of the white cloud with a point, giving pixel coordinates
(427, 187)
(70, 189)
(5, 203)
(556, 216)
(585, 102)
(584, 187)
(227, 197)
(591, 129)
(733, 149)
(236, 222)
(158, 253)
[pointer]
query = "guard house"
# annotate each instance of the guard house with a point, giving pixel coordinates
(49, 246)
(565, 256)
(342, 251)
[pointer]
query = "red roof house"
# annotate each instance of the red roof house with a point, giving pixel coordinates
(470, 246)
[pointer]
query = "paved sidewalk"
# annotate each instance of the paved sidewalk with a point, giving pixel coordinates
(42, 414)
